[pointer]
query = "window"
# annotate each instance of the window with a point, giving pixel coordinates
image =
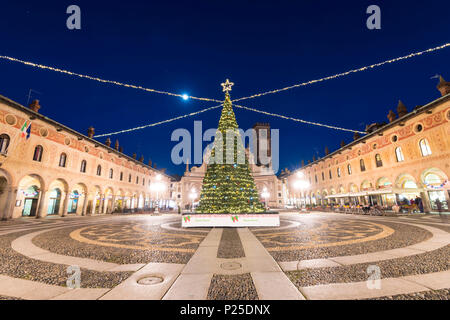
(338, 172)
(349, 169)
(362, 165)
(323, 176)
(378, 160)
(83, 166)
(137, 180)
(62, 160)
(111, 173)
(4, 143)
(399, 154)
(143, 182)
(121, 176)
(424, 147)
(329, 172)
(37, 156)
(419, 128)
(129, 178)
(99, 170)
(315, 177)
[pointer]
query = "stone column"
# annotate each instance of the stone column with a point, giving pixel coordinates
(447, 198)
(425, 201)
(65, 204)
(10, 203)
(85, 202)
(102, 204)
(42, 205)
(113, 203)
(94, 204)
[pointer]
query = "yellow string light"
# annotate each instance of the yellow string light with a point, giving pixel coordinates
(297, 120)
(239, 99)
(344, 73)
(218, 106)
(40, 66)
(158, 123)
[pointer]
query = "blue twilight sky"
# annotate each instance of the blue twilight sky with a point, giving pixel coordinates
(193, 46)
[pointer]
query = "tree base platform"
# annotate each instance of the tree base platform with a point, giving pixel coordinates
(238, 220)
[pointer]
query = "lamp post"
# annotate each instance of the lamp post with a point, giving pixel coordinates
(300, 184)
(265, 194)
(193, 196)
(157, 187)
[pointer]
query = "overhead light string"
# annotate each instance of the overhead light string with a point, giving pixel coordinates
(185, 96)
(158, 123)
(343, 73)
(117, 83)
(298, 120)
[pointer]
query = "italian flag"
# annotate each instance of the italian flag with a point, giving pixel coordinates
(25, 130)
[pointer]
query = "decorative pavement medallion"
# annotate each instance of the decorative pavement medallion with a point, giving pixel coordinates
(325, 234)
(139, 236)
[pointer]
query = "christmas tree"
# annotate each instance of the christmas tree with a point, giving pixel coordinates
(228, 186)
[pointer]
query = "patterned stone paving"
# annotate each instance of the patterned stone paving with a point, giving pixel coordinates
(137, 236)
(125, 242)
(160, 242)
(318, 237)
(324, 234)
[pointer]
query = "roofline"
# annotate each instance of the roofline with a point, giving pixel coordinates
(407, 116)
(26, 110)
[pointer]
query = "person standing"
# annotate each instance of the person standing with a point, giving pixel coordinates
(419, 203)
(438, 206)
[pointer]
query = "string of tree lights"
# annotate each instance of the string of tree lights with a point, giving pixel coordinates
(218, 106)
(297, 120)
(185, 96)
(335, 76)
(229, 187)
(117, 83)
(157, 123)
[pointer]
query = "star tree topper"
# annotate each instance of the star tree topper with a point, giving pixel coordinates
(227, 86)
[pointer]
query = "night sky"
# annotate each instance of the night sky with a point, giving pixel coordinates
(193, 46)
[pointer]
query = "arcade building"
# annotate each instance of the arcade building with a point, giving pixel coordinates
(49, 169)
(406, 158)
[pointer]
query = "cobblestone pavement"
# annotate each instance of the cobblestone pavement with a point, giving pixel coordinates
(232, 287)
(116, 248)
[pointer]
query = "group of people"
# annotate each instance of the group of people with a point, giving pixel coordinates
(411, 205)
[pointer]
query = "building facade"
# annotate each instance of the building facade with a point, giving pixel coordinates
(51, 169)
(392, 164)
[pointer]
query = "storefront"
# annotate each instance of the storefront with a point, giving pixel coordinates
(54, 202)
(73, 202)
(437, 188)
(31, 198)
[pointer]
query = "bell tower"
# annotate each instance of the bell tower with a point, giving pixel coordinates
(263, 146)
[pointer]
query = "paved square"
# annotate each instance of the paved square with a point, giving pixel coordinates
(310, 256)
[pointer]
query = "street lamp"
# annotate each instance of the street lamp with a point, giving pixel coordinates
(157, 187)
(265, 194)
(193, 196)
(300, 184)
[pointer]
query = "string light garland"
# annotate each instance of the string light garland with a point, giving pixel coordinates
(185, 96)
(436, 187)
(297, 120)
(218, 106)
(344, 73)
(158, 123)
(117, 83)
